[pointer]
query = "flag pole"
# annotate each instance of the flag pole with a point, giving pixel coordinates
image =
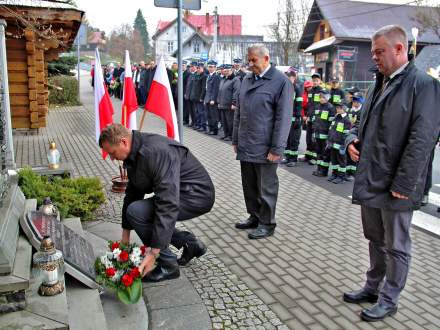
(142, 120)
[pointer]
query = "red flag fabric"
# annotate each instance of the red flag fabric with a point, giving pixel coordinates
(160, 100)
(129, 101)
(103, 105)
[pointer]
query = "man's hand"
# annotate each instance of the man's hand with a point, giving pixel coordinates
(305, 119)
(235, 148)
(399, 196)
(352, 151)
(233, 107)
(272, 157)
(147, 263)
(211, 102)
(125, 236)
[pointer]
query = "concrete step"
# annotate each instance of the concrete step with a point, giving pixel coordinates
(85, 308)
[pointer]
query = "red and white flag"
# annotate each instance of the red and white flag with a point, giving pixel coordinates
(129, 101)
(103, 105)
(160, 100)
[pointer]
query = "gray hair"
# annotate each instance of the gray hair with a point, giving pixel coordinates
(259, 49)
(394, 33)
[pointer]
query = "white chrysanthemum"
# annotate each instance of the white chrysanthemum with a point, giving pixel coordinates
(109, 255)
(136, 251)
(118, 275)
(135, 259)
(107, 263)
(116, 253)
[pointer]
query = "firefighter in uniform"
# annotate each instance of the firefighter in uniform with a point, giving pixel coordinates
(312, 102)
(339, 130)
(291, 152)
(354, 114)
(337, 95)
(324, 115)
(237, 69)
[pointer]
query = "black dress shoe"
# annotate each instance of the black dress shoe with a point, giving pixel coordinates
(162, 272)
(190, 250)
(262, 231)
(377, 312)
(360, 296)
(247, 224)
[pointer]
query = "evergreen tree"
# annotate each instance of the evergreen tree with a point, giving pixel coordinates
(140, 25)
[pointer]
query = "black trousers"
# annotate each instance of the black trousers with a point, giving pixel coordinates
(291, 151)
(310, 153)
(338, 162)
(322, 155)
(140, 215)
(260, 190)
(193, 112)
(227, 119)
(186, 110)
(213, 117)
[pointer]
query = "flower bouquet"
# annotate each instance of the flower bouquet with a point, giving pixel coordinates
(118, 270)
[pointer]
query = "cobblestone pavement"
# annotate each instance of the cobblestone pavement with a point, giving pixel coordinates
(299, 274)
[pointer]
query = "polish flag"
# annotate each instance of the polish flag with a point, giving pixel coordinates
(160, 100)
(129, 101)
(103, 105)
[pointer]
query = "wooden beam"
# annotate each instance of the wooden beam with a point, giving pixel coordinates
(17, 66)
(29, 34)
(19, 99)
(30, 47)
(31, 71)
(33, 106)
(32, 83)
(21, 122)
(16, 55)
(34, 116)
(19, 111)
(16, 88)
(32, 95)
(31, 60)
(17, 77)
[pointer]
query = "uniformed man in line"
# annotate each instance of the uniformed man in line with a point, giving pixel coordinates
(185, 77)
(337, 95)
(210, 101)
(188, 91)
(291, 152)
(349, 96)
(324, 115)
(237, 68)
(312, 102)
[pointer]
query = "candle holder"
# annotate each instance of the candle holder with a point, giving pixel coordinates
(119, 184)
(50, 265)
(53, 156)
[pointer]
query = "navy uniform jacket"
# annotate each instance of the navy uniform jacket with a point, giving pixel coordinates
(167, 168)
(262, 120)
(212, 86)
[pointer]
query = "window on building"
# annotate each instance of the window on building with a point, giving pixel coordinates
(322, 31)
(170, 46)
(196, 47)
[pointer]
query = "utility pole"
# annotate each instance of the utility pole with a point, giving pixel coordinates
(179, 69)
(214, 53)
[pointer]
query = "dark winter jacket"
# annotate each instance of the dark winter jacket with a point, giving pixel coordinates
(167, 168)
(262, 122)
(198, 87)
(228, 92)
(397, 131)
(313, 100)
(338, 132)
(337, 96)
(322, 118)
(212, 88)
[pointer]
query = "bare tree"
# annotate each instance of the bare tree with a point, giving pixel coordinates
(428, 20)
(287, 30)
(125, 37)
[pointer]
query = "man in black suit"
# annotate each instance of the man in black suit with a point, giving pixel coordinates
(212, 87)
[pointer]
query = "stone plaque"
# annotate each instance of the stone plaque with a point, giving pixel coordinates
(78, 253)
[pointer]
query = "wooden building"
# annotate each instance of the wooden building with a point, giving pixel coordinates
(338, 34)
(36, 32)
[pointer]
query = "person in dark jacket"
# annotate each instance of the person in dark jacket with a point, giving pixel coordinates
(227, 99)
(354, 114)
(182, 190)
(321, 120)
(210, 101)
(188, 91)
(186, 73)
(117, 72)
(398, 130)
(339, 129)
(198, 86)
(337, 95)
(313, 98)
(261, 127)
(238, 72)
(291, 152)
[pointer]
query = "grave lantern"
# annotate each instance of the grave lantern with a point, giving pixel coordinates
(53, 156)
(49, 263)
(48, 208)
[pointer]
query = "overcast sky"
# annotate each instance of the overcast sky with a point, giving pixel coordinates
(256, 14)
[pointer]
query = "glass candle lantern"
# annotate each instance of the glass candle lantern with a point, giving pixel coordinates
(49, 263)
(53, 156)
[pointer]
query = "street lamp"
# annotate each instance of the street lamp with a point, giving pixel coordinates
(415, 33)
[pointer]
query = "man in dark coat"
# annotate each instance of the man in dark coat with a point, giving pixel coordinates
(212, 87)
(398, 129)
(182, 190)
(261, 127)
(197, 94)
(188, 91)
(185, 77)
